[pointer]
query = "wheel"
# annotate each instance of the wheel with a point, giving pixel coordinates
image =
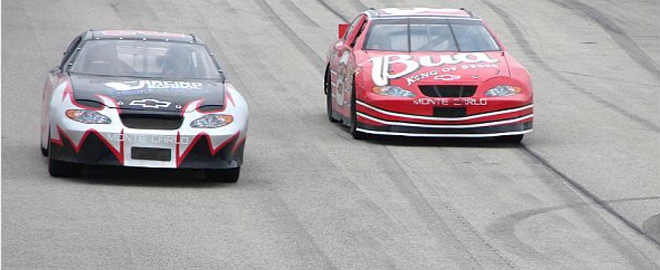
(44, 150)
(223, 175)
(513, 139)
(58, 168)
(353, 127)
(328, 97)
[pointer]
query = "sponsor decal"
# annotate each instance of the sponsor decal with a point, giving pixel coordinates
(431, 74)
(150, 103)
(126, 86)
(153, 84)
(382, 70)
(129, 92)
(476, 66)
(342, 79)
(146, 138)
(175, 91)
(421, 76)
(447, 77)
(451, 101)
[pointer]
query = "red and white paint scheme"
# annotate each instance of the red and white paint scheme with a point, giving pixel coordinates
(105, 104)
(426, 73)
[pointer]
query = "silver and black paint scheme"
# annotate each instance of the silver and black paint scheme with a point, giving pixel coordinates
(144, 121)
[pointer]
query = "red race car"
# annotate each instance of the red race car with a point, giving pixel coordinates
(426, 73)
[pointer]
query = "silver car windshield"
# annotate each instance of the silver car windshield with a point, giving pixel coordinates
(429, 36)
(150, 59)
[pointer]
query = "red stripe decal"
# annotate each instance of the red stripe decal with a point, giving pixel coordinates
(118, 154)
(179, 159)
(237, 145)
(68, 91)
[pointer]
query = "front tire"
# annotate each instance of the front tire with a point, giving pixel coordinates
(44, 150)
(223, 175)
(353, 127)
(328, 97)
(58, 168)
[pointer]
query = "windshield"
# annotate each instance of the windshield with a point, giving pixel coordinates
(150, 59)
(430, 36)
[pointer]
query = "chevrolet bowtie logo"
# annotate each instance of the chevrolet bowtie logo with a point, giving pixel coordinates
(150, 103)
(447, 77)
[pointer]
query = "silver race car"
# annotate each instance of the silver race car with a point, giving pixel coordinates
(142, 99)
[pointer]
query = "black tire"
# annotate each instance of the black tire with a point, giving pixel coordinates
(44, 151)
(58, 168)
(353, 127)
(328, 97)
(223, 175)
(512, 139)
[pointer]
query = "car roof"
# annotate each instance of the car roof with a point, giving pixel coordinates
(420, 12)
(142, 35)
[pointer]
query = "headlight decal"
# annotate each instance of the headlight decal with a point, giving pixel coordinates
(391, 90)
(503, 91)
(87, 116)
(212, 121)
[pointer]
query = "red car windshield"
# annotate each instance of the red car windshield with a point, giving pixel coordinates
(429, 35)
(150, 59)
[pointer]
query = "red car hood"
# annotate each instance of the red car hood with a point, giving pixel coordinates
(406, 69)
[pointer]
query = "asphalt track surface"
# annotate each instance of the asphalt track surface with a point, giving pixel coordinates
(581, 192)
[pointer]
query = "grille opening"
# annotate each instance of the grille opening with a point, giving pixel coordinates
(145, 121)
(448, 90)
(449, 112)
(157, 154)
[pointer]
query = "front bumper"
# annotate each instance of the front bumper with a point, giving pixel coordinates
(509, 117)
(78, 143)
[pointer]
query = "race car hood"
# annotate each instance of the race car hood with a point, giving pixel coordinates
(406, 69)
(147, 95)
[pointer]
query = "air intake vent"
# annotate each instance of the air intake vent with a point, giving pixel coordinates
(449, 112)
(141, 121)
(448, 90)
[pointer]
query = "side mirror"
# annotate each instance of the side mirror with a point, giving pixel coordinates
(343, 27)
